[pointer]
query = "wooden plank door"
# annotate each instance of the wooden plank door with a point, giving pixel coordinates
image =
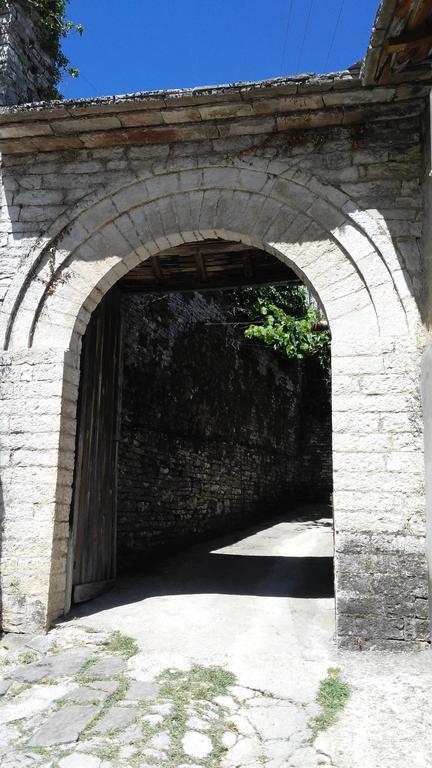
(93, 541)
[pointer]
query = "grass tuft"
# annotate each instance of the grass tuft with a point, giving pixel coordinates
(28, 657)
(332, 697)
(119, 643)
(199, 685)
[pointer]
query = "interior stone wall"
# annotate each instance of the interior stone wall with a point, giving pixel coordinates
(216, 431)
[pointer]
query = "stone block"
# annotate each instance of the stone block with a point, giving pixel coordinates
(64, 726)
(64, 664)
(142, 691)
(107, 666)
(115, 719)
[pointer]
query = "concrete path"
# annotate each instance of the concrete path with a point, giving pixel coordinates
(260, 602)
(214, 659)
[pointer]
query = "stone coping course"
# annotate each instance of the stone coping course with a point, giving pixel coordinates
(197, 114)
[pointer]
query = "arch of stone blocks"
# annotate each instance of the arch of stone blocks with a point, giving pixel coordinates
(346, 257)
(292, 215)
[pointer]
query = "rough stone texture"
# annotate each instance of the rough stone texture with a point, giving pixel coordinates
(110, 665)
(80, 761)
(41, 699)
(63, 726)
(196, 744)
(68, 662)
(26, 72)
(4, 686)
(41, 643)
(88, 695)
(333, 190)
(141, 691)
(117, 718)
(277, 730)
(215, 432)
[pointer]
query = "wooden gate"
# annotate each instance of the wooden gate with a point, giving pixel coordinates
(92, 555)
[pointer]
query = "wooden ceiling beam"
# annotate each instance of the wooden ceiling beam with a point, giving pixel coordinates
(201, 266)
(156, 267)
(209, 265)
(207, 247)
(408, 43)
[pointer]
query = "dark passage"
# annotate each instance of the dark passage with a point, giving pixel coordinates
(190, 429)
(216, 431)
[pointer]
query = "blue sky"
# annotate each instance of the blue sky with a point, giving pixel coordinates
(135, 45)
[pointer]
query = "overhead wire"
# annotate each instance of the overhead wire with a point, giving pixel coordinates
(287, 29)
(92, 85)
(306, 29)
(341, 7)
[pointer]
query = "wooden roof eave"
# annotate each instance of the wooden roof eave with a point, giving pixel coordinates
(401, 43)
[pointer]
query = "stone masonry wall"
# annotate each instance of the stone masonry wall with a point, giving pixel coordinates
(26, 72)
(216, 431)
(343, 204)
(379, 166)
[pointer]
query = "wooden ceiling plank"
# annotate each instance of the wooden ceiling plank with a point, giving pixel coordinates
(410, 42)
(207, 265)
(386, 71)
(420, 16)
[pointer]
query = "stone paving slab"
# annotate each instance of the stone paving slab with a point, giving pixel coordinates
(23, 705)
(160, 741)
(196, 744)
(278, 722)
(13, 642)
(107, 667)
(142, 691)
(110, 686)
(88, 695)
(64, 726)
(134, 726)
(41, 643)
(77, 721)
(80, 761)
(115, 718)
(56, 665)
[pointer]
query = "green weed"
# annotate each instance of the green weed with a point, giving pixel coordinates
(332, 697)
(28, 657)
(200, 684)
(122, 644)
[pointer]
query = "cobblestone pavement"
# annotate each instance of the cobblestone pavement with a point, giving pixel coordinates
(186, 691)
(75, 699)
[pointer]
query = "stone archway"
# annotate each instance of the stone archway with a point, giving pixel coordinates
(347, 259)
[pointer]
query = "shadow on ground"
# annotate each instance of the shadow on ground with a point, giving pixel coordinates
(200, 570)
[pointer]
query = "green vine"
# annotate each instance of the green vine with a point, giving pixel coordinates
(54, 25)
(282, 318)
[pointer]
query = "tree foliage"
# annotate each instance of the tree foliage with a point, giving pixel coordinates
(55, 25)
(284, 319)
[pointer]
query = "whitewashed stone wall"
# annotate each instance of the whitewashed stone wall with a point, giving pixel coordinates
(346, 213)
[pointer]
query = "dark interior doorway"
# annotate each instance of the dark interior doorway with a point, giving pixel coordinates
(184, 441)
